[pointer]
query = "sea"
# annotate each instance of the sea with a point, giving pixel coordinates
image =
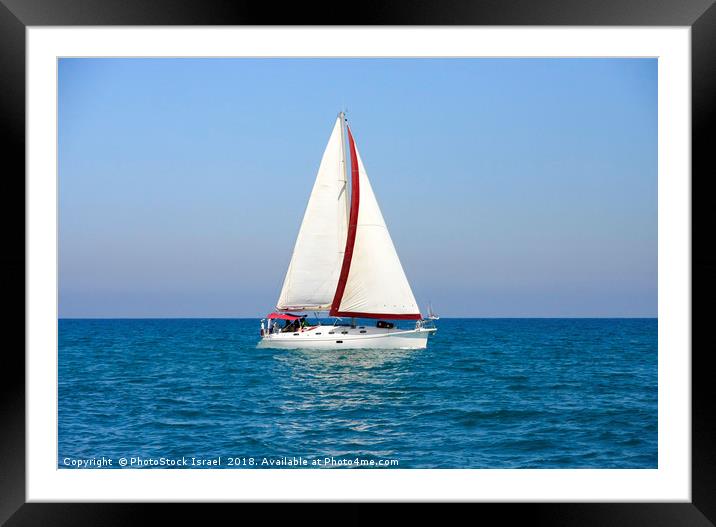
(485, 393)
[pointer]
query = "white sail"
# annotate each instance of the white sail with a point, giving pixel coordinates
(375, 284)
(312, 275)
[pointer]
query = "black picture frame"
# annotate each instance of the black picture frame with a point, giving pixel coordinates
(16, 15)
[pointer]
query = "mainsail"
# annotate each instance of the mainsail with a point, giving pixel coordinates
(313, 273)
(372, 282)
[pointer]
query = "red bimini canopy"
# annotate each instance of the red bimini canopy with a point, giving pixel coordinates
(283, 316)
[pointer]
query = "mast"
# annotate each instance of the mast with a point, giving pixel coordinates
(342, 117)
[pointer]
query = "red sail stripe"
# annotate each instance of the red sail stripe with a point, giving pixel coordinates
(352, 227)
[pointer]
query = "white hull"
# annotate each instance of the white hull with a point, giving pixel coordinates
(345, 337)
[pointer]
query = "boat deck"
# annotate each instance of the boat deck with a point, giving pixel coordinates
(349, 336)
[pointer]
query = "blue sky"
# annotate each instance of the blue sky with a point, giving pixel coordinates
(511, 187)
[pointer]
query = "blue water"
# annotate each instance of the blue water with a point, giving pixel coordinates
(486, 393)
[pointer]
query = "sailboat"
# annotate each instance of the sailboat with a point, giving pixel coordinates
(431, 314)
(344, 262)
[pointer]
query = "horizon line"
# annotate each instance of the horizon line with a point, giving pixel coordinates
(576, 317)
